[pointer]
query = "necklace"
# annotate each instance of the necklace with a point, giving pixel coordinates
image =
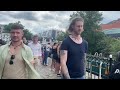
(16, 46)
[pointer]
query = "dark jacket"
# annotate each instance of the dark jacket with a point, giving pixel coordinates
(115, 72)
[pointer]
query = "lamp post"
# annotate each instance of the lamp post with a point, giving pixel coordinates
(110, 56)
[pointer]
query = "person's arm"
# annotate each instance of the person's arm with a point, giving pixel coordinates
(63, 59)
(58, 48)
(64, 48)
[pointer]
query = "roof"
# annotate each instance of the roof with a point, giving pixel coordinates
(111, 25)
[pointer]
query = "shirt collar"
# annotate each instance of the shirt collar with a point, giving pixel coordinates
(23, 45)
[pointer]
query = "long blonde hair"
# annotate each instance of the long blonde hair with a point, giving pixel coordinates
(70, 29)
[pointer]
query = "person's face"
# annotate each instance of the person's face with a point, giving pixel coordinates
(35, 39)
(16, 35)
(78, 27)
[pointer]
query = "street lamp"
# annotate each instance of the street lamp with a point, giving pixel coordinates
(110, 56)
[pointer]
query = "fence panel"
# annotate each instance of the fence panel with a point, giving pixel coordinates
(97, 67)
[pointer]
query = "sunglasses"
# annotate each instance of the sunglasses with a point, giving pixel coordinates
(11, 59)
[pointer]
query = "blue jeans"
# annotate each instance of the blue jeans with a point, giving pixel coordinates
(46, 53)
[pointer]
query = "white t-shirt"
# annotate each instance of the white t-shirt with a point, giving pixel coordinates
(48, 47)
(36, 48)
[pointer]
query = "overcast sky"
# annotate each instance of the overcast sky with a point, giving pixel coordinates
(36, 21)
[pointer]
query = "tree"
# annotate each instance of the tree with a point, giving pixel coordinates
(62, 36)
(27, 33)
(110, 46)
(7, 28)
(91, 26)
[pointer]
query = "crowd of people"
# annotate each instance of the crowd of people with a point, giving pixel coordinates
(42, 52)
(21, 59)
(68, 57)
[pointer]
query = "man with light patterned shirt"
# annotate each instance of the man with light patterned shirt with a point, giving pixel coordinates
(16, 58)
(36, 48)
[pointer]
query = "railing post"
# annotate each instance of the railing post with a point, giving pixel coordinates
(96, 54)
(100, 69)
(100, 55)
(91, 68)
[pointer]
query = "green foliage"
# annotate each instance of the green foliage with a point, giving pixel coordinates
(91, 25)
(62, 36)
(7, 28)
(91, 19)
(110, 46)
(97, 41)
(27, 33)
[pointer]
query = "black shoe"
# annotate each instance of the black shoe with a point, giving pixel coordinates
(58, 75)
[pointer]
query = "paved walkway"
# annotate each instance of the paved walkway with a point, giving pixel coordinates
(45, 71)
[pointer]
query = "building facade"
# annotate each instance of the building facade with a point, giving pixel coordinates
(50, 34)
(112, 28)
(4, 36)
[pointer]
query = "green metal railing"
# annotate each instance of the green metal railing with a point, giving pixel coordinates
(98, 65)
